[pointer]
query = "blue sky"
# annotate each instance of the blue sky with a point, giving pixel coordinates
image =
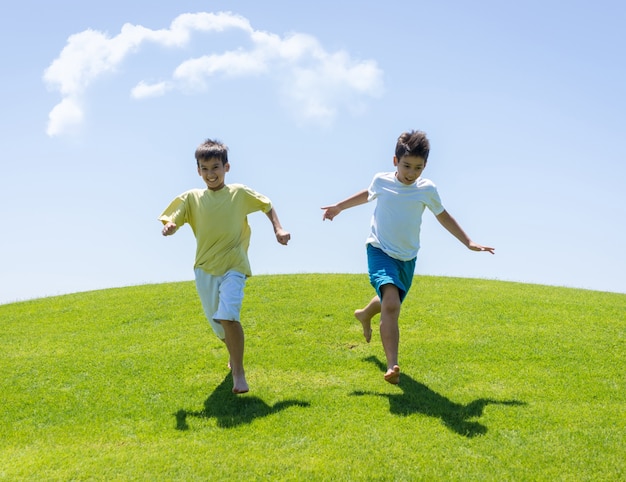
(103, 105)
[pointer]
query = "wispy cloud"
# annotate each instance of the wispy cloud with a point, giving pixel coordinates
(316, 83)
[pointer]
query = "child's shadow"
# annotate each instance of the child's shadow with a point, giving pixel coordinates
(231, 410)
(418, 398)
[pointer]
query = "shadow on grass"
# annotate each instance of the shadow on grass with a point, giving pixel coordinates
(231, 410)
(418, 398)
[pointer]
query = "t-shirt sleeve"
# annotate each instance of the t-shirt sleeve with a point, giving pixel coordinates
(176, 212)
(434, 202)
(372, 191)
(257, 201)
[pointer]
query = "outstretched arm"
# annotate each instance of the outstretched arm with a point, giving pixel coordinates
(448, 222)
(282, 236)
(355, 200)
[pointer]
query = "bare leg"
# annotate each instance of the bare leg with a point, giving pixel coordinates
(228, 355)
(365, 316)
(235, 344)
(389, 331)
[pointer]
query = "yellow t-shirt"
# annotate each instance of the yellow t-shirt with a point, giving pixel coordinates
(220, 224)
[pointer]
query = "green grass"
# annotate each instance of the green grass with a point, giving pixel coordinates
(500, 381)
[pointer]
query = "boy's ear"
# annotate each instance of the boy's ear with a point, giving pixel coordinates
(226, 167)
(395, 161)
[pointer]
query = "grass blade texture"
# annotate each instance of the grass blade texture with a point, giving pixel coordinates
(500, 381)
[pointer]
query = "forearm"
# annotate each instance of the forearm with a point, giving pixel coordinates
(273, 217)
(354, 200)
(453, 228)
(282, 236)
(448, 222)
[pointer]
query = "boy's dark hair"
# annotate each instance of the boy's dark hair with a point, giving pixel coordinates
(211, 149)
(413, 143)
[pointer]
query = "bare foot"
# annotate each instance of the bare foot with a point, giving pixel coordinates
(393, 375)
(366, 323)
(240, 385)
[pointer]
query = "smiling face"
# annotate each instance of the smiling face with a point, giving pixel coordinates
(213, 172)
(409, 168)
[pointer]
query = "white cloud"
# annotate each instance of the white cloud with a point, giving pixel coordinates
(316, 82)
(143, 90)
(193, 72)
(63, 116)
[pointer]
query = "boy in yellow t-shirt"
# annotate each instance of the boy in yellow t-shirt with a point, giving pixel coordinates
(218, 217)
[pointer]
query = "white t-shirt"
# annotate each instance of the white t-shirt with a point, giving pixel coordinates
(395, 226)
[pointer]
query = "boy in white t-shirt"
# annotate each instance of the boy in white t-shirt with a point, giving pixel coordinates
(393, 242)
(218, 217)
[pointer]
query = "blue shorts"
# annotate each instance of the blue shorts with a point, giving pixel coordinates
(384, 270)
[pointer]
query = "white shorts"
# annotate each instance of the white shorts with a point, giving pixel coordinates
(221, 297)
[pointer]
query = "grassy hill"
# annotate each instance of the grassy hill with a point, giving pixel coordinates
(500, 381)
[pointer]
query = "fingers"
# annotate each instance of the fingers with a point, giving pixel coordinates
(478, 247)
(168, 229)
(283, 238)
(328, 214)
